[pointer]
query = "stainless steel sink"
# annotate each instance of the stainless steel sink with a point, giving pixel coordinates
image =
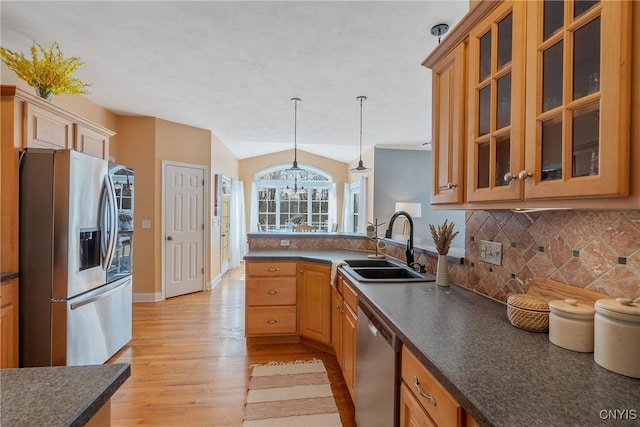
(384, 271)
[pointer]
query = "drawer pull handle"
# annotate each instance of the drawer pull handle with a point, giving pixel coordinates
(422, 393)
(273, 269)
(272, 321)
(273, 292)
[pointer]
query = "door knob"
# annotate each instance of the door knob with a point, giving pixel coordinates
(169, 238)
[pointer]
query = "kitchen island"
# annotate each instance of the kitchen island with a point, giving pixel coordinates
(58, 395)
(501, 375)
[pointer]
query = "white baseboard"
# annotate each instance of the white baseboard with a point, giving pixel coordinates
(212, 284)
(147, 297)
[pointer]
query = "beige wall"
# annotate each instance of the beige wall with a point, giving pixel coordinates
(137, 149)
(249, 167)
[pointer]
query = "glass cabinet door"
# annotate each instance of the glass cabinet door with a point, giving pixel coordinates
(496, 96)
(578, 108)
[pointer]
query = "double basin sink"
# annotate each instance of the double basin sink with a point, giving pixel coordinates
(384, 271)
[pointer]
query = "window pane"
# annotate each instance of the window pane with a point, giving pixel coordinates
(484, 151)
(552, 77)
(485, 56)
(503, 159)
(504, 40)
(485, 110)
(586, 141)
(552, 149)
(581, 6)
(503, 109)
(586, 59)
(553, 17)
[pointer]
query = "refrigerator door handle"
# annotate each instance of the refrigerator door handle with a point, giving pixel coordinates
(100, 296)
(113, 216)
(104, 223)
(111, 222)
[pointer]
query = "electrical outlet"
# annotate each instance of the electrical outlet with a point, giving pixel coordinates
(284, 242)
(491, 252)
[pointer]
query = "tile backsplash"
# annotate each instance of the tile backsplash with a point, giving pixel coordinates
(596, 250)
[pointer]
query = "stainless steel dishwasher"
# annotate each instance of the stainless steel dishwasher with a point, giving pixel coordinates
(377, 371)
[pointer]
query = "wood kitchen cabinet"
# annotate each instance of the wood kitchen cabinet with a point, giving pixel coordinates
(314, 301)
(271, 295)
(344, 324)
(423, 400)
(551, 87)
(448, 123)
(496, 98)
(37, 123)
(9, 324)
(577, 100)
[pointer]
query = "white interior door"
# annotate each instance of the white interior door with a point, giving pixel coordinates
(184, 230)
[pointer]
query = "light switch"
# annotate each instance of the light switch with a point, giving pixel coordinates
(146, 223)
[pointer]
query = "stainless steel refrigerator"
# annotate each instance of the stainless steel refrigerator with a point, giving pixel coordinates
(75, 303)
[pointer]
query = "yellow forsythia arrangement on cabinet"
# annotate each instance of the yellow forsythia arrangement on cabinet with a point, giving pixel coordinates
(50, 74)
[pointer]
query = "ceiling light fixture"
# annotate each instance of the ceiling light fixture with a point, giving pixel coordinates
(439, 30)
(295, 167)
(295, 191)
(361, 168)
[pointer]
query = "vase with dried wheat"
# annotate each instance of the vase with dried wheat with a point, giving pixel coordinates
(442, 236)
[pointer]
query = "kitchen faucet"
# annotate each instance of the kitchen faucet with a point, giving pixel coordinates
(387, 235)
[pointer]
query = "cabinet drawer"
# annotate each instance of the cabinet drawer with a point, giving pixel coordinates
(442, 407)
(271, 320)
(270, 268)
(271, 291)
(350, 297)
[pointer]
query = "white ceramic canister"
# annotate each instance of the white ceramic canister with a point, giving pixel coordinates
(617, 336)
(571, 325)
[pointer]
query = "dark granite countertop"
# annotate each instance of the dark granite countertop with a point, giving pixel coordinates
(8, 275)
(58, 395)
(500, 374)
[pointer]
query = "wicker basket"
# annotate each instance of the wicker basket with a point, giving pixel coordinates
(528, 312)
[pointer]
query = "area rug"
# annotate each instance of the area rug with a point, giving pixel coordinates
(290, 394)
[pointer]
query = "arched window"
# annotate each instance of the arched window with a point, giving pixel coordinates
(286, 199)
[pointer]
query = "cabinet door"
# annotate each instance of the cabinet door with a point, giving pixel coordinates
(315, 302)
(349, 328)
(46, 129)
(447, 155)
(9, 324)
(578, 99)
(336, 324)
(496, 99)
(91, 142)
(411, 412)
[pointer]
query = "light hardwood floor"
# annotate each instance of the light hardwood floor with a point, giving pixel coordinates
(190, 361)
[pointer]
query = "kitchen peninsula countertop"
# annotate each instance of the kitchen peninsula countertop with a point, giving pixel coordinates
(57, 395)
(500, 374)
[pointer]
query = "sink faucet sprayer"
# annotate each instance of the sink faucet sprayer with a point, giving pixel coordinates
(387, 235)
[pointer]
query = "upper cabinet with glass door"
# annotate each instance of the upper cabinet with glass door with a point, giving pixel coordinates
(496, 98)
(578, 99)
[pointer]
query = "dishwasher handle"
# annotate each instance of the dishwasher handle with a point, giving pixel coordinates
(377, 326)
(372, 328)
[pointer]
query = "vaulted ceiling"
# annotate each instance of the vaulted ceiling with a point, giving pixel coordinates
(231, 67)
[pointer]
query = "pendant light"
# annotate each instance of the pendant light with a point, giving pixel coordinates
(361, 168)
(294, 168)
(295, 191)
